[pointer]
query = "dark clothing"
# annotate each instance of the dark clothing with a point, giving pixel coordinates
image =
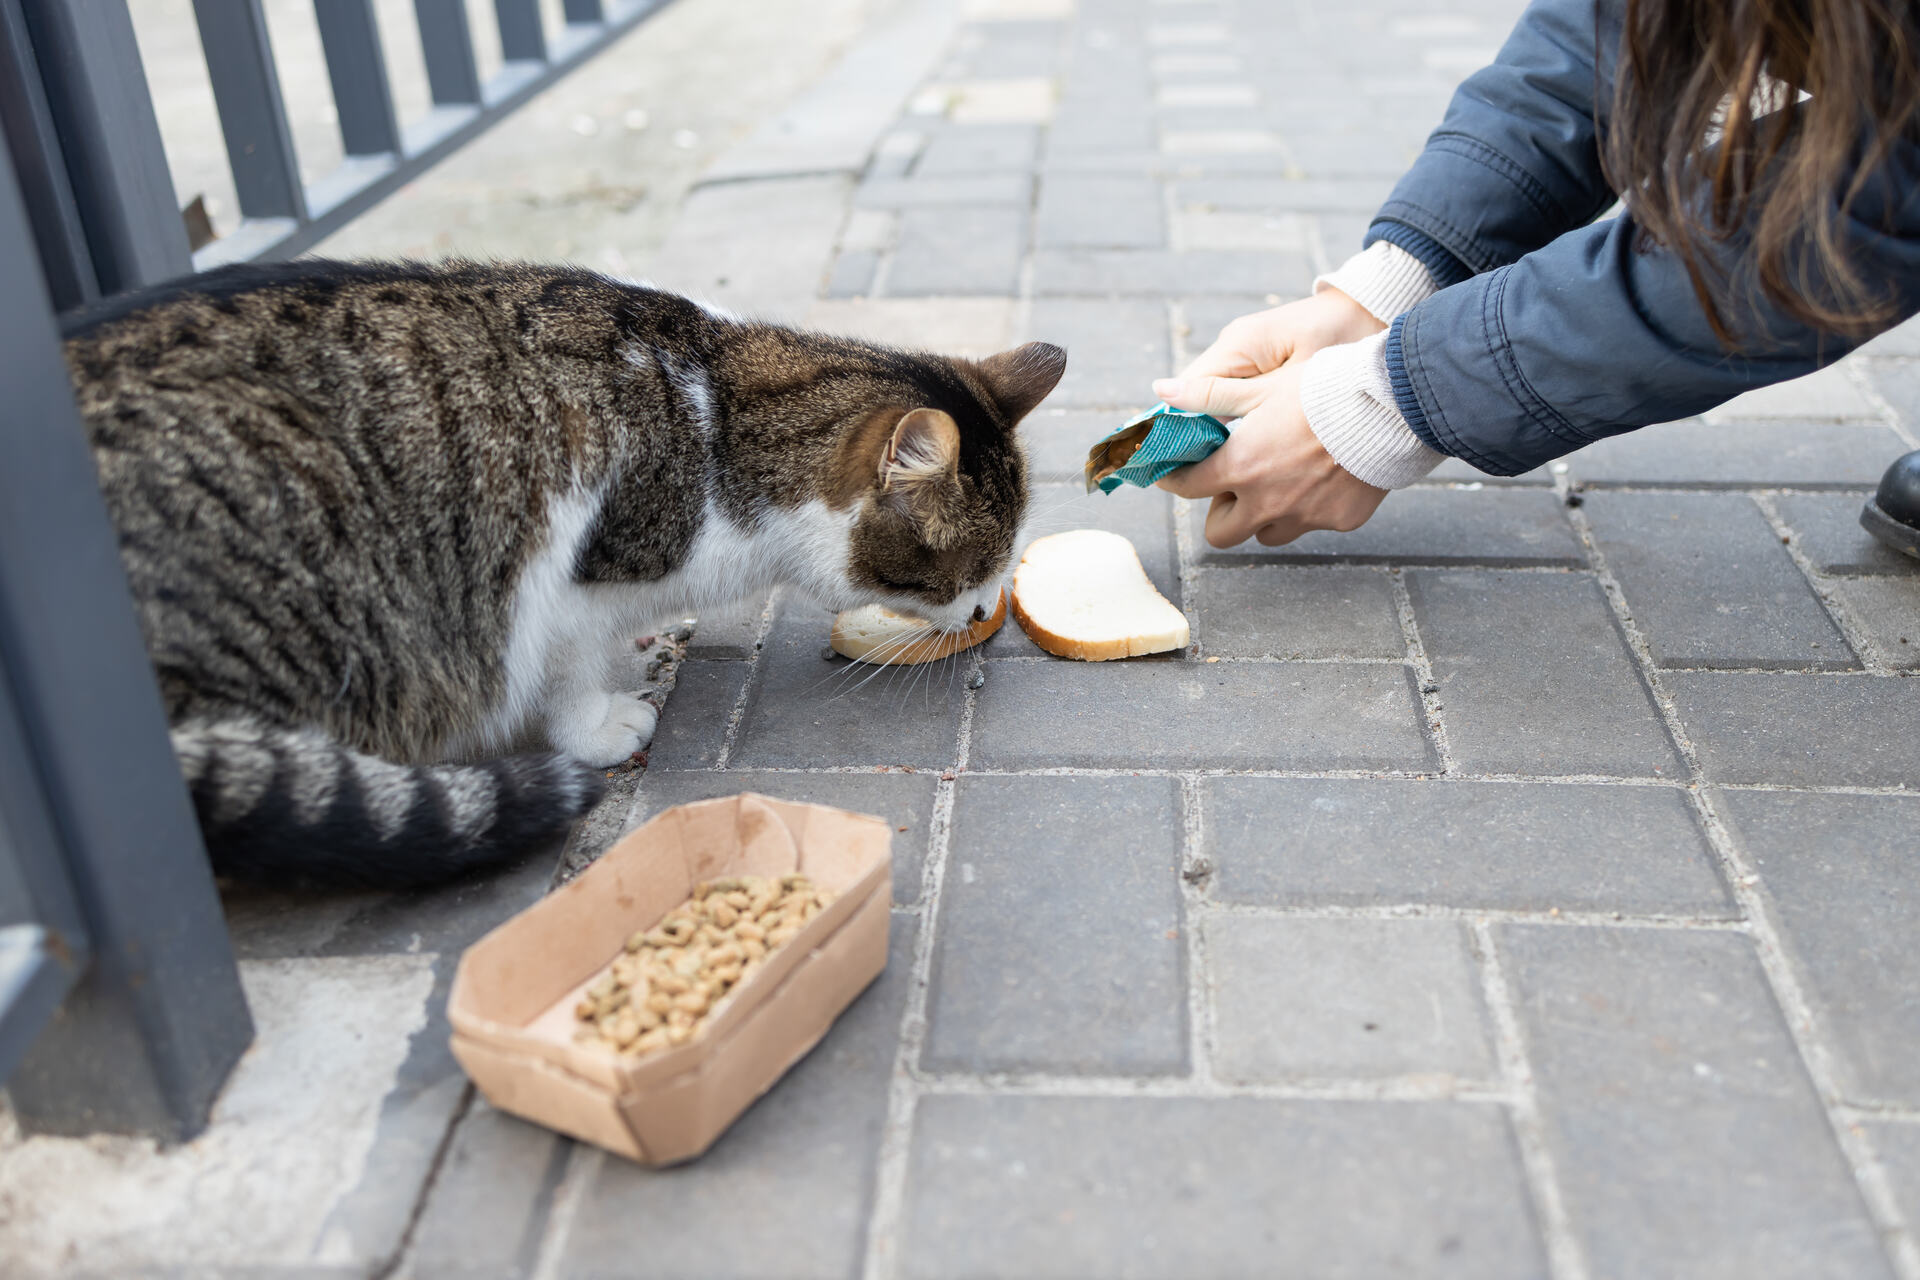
(1552, 330)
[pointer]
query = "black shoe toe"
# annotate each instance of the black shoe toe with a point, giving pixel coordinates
(1893, 514)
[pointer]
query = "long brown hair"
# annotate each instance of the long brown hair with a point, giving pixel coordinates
(1708, 140)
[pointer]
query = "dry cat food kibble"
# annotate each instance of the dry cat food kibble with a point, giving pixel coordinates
(661, 992)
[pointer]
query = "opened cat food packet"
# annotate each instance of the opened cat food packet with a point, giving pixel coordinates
(1158, 441)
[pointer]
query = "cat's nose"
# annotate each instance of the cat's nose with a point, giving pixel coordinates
(979, 613)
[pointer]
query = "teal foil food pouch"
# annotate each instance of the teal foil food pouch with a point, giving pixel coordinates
(1149, 446)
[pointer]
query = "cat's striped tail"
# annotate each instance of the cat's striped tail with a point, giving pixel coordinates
(282, 806)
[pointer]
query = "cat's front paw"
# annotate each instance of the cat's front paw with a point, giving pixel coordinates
(626, 727)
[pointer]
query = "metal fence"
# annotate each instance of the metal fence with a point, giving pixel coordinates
(120, 1004)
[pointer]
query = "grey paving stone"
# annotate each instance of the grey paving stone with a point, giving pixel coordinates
(1348, 153)
(693, 724)
(1162, 271)
(426, 1094)
(785, 1193)
(1227, 715)
(1901, 340)
(1842, 873)
(1014, 189)
(1741, 454)
(1828, 395)
(903, 799)
(1115, 349)
(1898, 381)
(1802, 730)
(1314, 195)
(447, 918)
(271, 924)
(852, 274)
(1080, 125)
(1708, 581)
(1142, 516)
(1298, 997)
(1516, 527)
(1889, 610)
(805, 712)
(1093, 211)
(1173, 1188)
(1455, 471)
(1207, 315)
(1296, 612)
(1495, 845)
(958, 251)
(1006, 50)
(490, 1199)
(1057, 440)
(1535, 677)
(1898, 1146)
(727, 632)
(1059, 949)
(978, 148)
(1341, 235)
(1826, 526)
(1685, 1134)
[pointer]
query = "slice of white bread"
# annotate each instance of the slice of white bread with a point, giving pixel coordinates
(881, 636)
(1083, 594)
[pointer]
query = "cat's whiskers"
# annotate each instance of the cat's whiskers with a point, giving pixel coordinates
(878, 659)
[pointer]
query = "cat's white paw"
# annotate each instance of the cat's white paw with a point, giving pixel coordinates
(626, 726)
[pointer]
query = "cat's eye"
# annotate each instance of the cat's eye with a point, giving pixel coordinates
(910, 588)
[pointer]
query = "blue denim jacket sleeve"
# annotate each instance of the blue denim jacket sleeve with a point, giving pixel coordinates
(1556, 331)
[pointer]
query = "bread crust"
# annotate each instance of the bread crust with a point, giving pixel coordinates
(1062, 646)
(851, 643)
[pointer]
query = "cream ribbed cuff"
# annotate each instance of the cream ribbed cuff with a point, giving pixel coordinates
(1383, 278)
(1349, 403)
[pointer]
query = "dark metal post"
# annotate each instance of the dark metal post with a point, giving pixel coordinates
(358, 70)
(253, 118)
(145, 1040)
(452, 76)
(27, 122)
(43, 940)
(96, 93)
(521, 36)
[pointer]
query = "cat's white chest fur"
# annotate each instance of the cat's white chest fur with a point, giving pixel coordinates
(562, 632)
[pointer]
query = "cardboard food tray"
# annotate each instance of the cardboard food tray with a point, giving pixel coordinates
(512, 1001)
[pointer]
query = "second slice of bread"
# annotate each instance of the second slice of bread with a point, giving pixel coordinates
(1084, 595)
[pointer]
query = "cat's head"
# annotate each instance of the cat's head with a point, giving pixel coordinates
(932, 484)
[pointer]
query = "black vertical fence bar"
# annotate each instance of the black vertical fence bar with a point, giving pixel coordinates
(246, 89)
(96, 93)
(583, 11)
(452, 76)
(27, 122)
(43, 941)
(521, 37)
(357, 68)
(146, 1038)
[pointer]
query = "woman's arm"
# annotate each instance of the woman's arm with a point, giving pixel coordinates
(1596, 334)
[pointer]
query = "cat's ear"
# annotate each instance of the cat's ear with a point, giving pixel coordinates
(1021, 378)
(924, 449)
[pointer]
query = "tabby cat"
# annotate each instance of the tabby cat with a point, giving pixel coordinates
(382, 520)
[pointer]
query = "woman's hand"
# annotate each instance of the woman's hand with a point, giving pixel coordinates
(1271, 480)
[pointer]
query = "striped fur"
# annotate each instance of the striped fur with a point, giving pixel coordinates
(293, 804)
(380, 519)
